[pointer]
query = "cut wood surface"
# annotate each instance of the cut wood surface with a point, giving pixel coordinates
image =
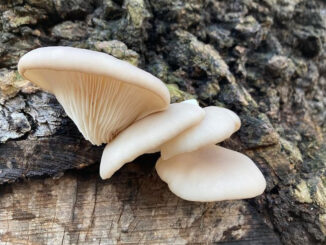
(134, 207)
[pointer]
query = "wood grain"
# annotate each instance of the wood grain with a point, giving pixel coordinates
(134, 207)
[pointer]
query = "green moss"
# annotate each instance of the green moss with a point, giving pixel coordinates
(178, 95)
(322, 220)
(302, 193)
(10, 83)
(137, 12)
(119, 50)
(320, 194)
(292, 151)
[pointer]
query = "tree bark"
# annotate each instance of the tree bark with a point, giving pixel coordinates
(262, 59)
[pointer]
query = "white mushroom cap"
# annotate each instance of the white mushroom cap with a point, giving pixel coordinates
(147, 134)
(101, 94)
(212, 173)
(219, 124)
(191, 101)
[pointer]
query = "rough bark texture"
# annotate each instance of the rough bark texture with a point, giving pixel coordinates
(263, 59)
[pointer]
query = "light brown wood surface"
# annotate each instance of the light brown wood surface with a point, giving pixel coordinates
(134, 207)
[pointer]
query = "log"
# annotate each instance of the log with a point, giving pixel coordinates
(134, 207)
(262, 59)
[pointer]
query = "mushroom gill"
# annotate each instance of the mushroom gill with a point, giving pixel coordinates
(101, 94)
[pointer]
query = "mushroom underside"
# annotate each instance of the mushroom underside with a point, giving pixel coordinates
(100, 106)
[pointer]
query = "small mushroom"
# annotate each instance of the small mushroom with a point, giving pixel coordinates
(219, 124)
(147, 134)
(212, 173)
(101, 94)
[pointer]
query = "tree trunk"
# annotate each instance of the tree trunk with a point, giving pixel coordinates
(262, 59)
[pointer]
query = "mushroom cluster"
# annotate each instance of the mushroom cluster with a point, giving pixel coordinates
(114, 102)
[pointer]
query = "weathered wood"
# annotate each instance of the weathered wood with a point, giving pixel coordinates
(134, 207)
(48, 156)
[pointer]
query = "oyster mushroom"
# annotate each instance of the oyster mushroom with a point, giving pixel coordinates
(212, 173)
(147, 134)
(101, 94)
(219, 124)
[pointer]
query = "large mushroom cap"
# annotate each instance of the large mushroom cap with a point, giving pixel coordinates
(212, 173)
(219, 124)
(101, 94)
(147, 134)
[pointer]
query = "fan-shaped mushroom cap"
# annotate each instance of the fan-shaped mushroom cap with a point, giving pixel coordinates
(147, 134)
(190, 101)
(219, 124)
(101, 94)
(212, 173)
